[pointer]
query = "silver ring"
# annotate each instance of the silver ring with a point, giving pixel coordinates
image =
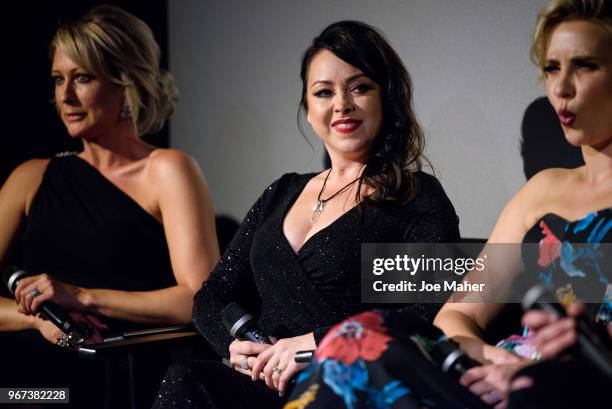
(278, 370)
(35, 292)
(244, 363)
(495, 397)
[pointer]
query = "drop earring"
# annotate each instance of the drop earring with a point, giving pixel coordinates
(126, 111)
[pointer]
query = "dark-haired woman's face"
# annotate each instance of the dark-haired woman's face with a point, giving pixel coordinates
(344, 106)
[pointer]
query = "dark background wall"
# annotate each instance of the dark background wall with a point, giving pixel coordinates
(30, 126)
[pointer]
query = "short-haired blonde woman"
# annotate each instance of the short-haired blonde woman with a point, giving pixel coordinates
(573, 48)
(121, 233)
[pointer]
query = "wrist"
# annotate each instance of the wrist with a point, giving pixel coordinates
(33, 322)
(310, 341)
(86, 298)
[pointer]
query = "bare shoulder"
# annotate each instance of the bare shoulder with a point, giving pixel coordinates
(548, 179)
(172, 163)
(525, 207)
(171, 173)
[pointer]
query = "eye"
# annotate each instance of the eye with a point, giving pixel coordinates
(589, 66)
(83, 78)
(361, 88)
(550, 69)
(323, 93)
(57, 80)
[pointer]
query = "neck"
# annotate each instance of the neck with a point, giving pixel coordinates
(598, 162)
(343, 168)
(114, 149)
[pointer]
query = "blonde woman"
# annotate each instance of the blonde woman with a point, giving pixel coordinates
(121, 234)
(573, 48)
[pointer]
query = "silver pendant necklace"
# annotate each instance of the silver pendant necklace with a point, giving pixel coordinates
(318, 208)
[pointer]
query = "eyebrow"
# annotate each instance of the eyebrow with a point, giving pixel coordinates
(576, 59)
(349, 79)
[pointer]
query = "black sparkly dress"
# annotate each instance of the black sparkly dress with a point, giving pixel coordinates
(292, 293)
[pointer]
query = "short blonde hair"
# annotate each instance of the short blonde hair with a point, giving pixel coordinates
(112, 43)
(558, 11)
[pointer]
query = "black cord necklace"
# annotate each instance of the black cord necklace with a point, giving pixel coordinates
(320, 205)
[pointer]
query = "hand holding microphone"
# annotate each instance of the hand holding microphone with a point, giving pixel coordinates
(27, 293)
(243, 327)
(555, 334)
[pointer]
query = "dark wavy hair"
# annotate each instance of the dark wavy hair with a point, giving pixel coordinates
(397, 152)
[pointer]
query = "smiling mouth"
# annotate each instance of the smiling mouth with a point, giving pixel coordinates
(346, 125)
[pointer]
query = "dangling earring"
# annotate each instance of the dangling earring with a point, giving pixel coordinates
(126, 111)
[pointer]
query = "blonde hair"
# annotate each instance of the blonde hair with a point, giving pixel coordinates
(558, 11)
(112, 43)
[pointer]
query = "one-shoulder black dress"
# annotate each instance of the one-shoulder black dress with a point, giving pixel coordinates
(293, 293)
(85, 231)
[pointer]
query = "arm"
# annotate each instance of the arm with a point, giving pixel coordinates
(463, 322)
(15, 198)
(185, 206)
(232, 279)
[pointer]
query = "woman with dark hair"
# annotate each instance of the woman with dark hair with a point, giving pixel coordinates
(295, 262)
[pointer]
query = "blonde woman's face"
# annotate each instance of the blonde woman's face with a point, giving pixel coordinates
(89, 106)
(578, 72)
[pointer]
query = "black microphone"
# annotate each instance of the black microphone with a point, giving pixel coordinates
(76, 332)
(241, 325)
(590, 342)
(450, 358)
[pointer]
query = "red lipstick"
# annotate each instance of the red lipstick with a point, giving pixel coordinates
(346, 125)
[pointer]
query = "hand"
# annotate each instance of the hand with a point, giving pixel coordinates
(552, 333)
(278, 362)
(492, 382)
(51, 332)
(239, 350)
(50, 289)
(499, 356)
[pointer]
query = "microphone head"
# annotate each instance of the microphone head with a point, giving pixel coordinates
(11, 276)
(234, 318)
(533, 296)
(540, 297)
(450, 358)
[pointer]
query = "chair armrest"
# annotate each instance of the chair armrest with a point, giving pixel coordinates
(157, 338)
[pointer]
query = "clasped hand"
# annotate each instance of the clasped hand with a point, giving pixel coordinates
(274, 364)
(35, 290)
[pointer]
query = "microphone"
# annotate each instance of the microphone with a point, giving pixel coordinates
(76, 332)
(241, 325)
(590, 343)
(450, 358)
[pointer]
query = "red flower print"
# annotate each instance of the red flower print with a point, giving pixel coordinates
(550, 246)
(361, 336)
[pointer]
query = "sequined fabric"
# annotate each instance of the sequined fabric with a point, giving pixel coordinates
(309, 291)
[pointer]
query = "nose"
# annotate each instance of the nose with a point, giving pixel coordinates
(343, 103)
(65, 93)
(563, 86)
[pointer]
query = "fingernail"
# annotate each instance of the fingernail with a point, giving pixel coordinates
(280, 394)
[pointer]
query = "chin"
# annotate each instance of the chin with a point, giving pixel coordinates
(575, 137)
